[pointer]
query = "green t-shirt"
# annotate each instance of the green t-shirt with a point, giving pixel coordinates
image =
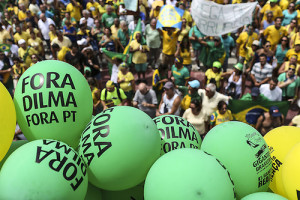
(108, 20)
(113, 96)
(289, 91)
(122, 37)
(248, 97)
(180, 75)
(196, 45)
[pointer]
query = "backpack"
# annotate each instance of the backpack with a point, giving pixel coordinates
(118, 93)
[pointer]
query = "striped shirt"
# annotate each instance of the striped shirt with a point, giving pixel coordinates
(262, 73)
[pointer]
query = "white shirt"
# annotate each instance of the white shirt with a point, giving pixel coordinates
(114, 73)
(132, 26)
(172, 3)
(272, 95)
(44, 27)
(90, 21)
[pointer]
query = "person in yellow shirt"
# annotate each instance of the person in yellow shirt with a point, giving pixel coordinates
(156, 9)
(74, 8)
(25, 52)
(214, 75)
(22, 13)
(17, 70)
(186, 15)
(185, 30)
(286, 65)
(101, 8)
(245, 40)
(221, 115)
(185, 53)
(169, 38)
(272, 6)
(36, 43)
(139, 57)
(294, 51)
(144, 7)
(274, 33)
(126, 82)
(115, 28)
(20, 35)
(4, 35)
(92, 6)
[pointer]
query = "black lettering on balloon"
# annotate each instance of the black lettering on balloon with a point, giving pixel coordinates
(27, 106)
(24, 83)
(58, 163)
(38, 158)
(106, 145)
(67, 81)
(41, 82)
(66, 173)
(60, 98)
(52, 80)
(71, 100)
(99, 119)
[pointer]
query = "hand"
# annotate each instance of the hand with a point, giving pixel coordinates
(172, 78)
(257, 84)
(157, 113)
(90, 62)
(145, 104)
(289, 81)
(164, 80)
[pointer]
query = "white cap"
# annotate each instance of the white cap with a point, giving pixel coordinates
(21, 41)
(83, 41)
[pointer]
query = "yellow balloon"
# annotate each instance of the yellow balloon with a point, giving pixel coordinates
(280, 141)
(7, 120)
(291, 173)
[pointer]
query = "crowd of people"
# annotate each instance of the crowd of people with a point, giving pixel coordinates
(267, 53)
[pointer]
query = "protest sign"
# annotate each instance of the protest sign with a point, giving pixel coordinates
(169, 16)
(131, 5)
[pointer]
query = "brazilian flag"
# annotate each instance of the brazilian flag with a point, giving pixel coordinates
(4, 47)
(113, 55)
(249, 111)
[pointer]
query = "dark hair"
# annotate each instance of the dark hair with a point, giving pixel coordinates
(274, 79)
(185, 38)
(91, 81)
(55, 46)
(221, 104)
(288, 41)
(277, 18)
(180, 59)
(162, 67)
(263, 55)
(197, 102)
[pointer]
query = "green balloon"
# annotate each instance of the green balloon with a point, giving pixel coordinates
(189, 174)
(119, 145)
(176, 133)
(93, 193)
(135, 193)
(263, 196)
(43, 169)
(53, 101)
(14, 145)
(245, 154)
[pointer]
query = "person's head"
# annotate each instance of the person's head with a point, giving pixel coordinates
(273, 3)
(170, 30)
(263, 59)
(274, 112)
(222, 107)
(267, 46)
(74, 48)
(297, 47)
(107, 32)
(291, 71)
(18, 29)
(109, 9)
(238, 68)
(153, 23)
(43, 17)
(217, 41)
(162, 68)
(67, 15)
(16, 61)
(196, 105)
(216, 67)
(178, 62)
(123, 25)
(22, 43)
(224, 36)
(270, 16)
(2, 55)
(210, 90)
(292, 7)
(34, 58)
(284, 41)
(32, 35)
(184, 22)
(59, 35)
(169, 89)
(278, 21)
(255, 93)
(293, 59)
(116, 22)
(123, 68)
(55, 47)
(110, 86)
(273, 83)
(255, 45)
(52, 28)
(193, 86)
(138, 37)
(185, 43)
(117, 60)
(250, 29)
(143, 88)
(293, 23)
(68, 23)
(85, 14)
(43, 8)
(92, 83)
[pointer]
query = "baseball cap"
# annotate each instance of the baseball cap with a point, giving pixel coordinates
(217, 64)
(194, 84)
(109, 84)
(292, 66)
(169, 85)
(297, 42)
(21, 41)
(255, 42)
(239, 66)
(274, 111)
(273, 1)
(255, 92)
(123, 65)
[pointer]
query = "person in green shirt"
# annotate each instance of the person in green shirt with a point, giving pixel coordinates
(254, 96)
(180, 74)
(112, 96)
(196, 37)
(108, 17)
(289, 83)
(123, 35)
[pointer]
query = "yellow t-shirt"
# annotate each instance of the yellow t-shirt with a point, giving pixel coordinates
(183, 33)
(249, 55)
(277, 12)
(65, 43)
(74, 11)
(169, 42)
(22, 15)
(291, 52)
(186, 55)
(216, 118)
(4, 36)
(274, 35)
(154, 13)
(22, 53)
(284, 4)
(296, 38)
(101, 9)
(210, 74)
(242, 40)
(18, 71)
(144, 6)
(62, 53)
(236, 1)
(126, 85)
(187, 15)
(23, 35)
(114, 31)
(52, 36)
(35, 30)
(138, 57)
(36, 42)
(93, 7)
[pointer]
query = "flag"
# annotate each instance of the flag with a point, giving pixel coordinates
(249, 111)
(4, 47)
(112, 55)
(138, 28)
(169, 16)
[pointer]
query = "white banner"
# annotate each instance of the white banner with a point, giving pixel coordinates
(215, 19)
(131, 5)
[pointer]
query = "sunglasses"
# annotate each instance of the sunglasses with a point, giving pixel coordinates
(268, 45)
(292, 69)
(284, 40)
